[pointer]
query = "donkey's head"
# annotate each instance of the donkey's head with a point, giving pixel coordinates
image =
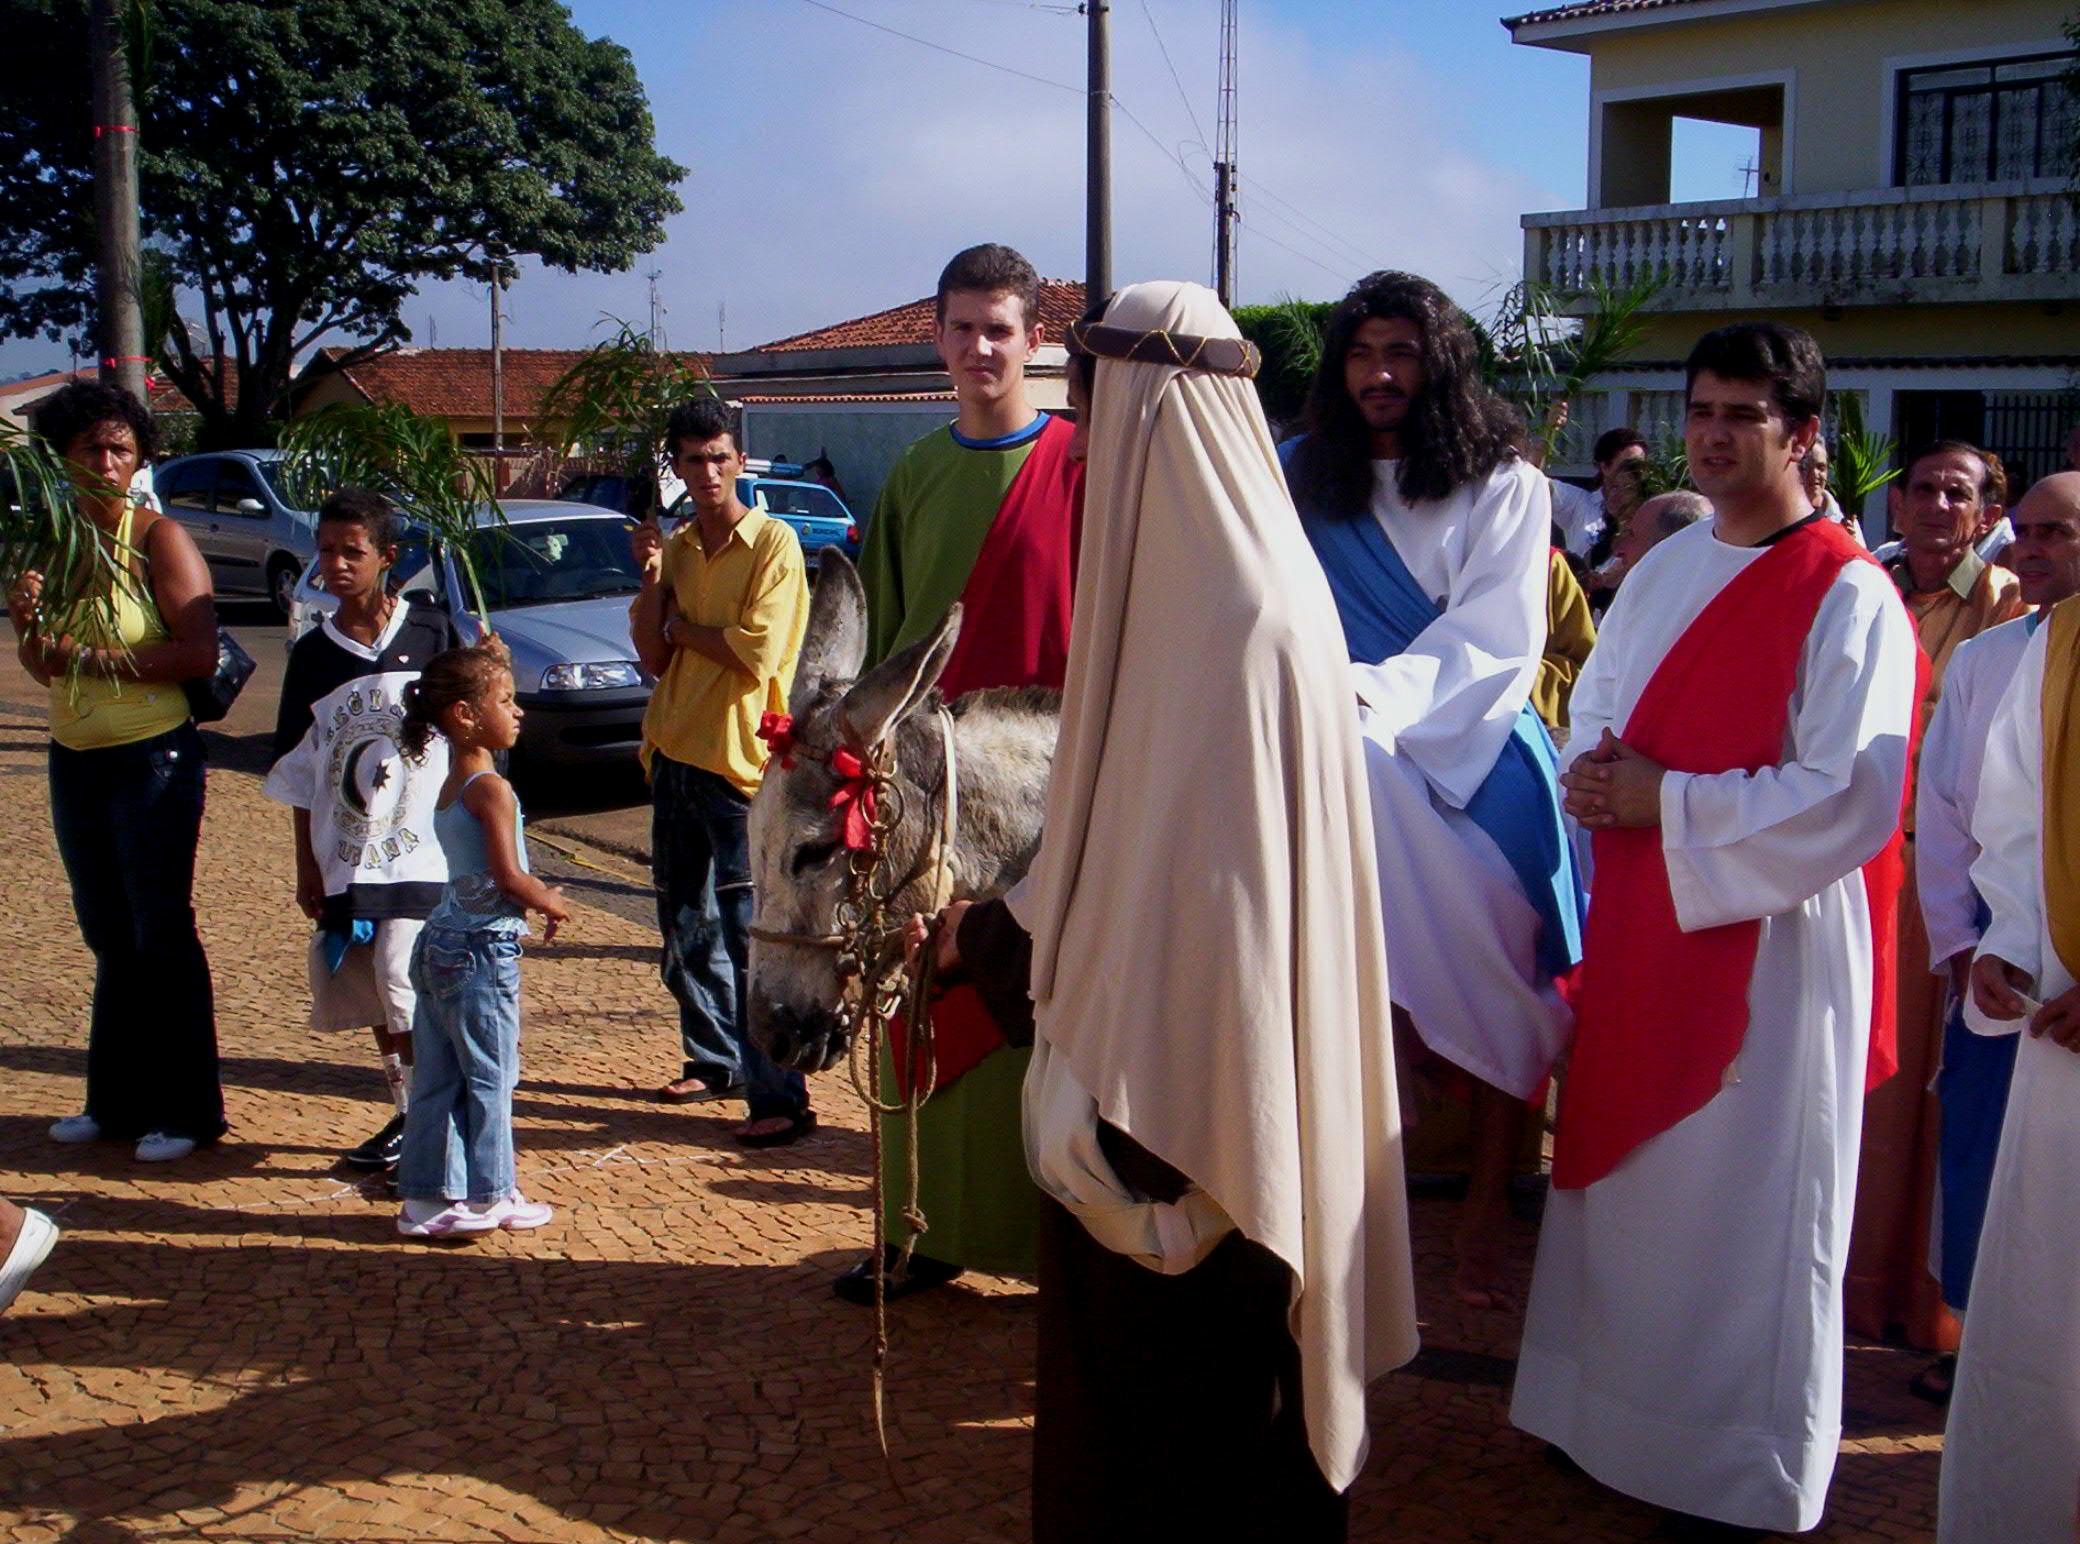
(807, 810)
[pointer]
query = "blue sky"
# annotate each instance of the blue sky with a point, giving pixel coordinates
(834, 167)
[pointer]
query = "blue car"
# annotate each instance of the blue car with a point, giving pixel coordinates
(816, 515)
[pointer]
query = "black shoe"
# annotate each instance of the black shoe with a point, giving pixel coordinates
(1933, 1382)
(380, 1151)
(857, 1284)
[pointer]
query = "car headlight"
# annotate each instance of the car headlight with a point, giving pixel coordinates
(597, 677)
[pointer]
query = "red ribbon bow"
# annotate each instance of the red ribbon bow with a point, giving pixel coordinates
(777, 730)
(854, 800)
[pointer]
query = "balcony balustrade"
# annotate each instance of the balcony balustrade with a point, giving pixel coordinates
(1887, 246)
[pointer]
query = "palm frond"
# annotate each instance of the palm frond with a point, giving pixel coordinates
(1541, 356)
(615, 400)
(1666, 469)
(44, 529)
(410, 457)
(1863, 462)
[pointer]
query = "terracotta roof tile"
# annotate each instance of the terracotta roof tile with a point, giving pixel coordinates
(163, 395)
(456, 382)
(1061, 302)
(1587, 9)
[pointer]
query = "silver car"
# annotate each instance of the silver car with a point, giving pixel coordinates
(557, 582)
(231, 502)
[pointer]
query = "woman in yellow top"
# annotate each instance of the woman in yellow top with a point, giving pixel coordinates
(126, 784)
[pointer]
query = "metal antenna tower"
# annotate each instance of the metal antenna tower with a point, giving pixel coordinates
(1224, 213)
(656, 305)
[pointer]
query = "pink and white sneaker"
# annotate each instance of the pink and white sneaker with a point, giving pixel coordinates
(437, 1219)
(516, 1214)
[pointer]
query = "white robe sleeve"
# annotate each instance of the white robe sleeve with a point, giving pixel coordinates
(1450, 700)
(1593, 705)
(1943, 824)
(1742, 846)
(1578, 512)
(2008, 824)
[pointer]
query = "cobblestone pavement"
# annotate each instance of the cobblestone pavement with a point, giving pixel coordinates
(238, 1346)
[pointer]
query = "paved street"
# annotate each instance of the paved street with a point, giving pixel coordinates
(239, 1346)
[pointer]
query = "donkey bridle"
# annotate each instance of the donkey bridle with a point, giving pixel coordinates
(937, 857)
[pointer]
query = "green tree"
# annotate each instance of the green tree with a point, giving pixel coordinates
(305, 164)
(1290, 334)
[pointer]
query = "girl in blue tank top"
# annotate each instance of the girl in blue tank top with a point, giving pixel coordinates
(456, 1174)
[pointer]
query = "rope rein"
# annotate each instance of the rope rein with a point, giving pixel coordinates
(878, 986)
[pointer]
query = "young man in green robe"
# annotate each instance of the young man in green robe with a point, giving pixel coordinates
(984, 512)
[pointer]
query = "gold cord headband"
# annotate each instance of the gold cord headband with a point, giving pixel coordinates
(1215, 356)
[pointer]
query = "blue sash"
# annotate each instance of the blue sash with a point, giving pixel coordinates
(1384, 610)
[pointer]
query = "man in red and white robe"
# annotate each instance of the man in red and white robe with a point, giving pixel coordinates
(1742, 737)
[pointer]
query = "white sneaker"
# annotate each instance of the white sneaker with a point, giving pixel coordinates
(516, 1214)
(76, 1128)
(439, 1219)
(164, 1147)
(31, 1246)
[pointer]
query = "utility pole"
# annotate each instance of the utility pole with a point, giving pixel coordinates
(1097, 229)
(656, 305)
(722, 327)
(1224, 212)
(118, 267)
(498, 357)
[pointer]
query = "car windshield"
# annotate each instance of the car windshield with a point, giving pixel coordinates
(272, 472)
(801, 499)
(537, 562)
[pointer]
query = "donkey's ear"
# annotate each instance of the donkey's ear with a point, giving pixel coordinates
(835, 642)
(893, 688)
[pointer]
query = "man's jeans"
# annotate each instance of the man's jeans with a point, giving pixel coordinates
(458, 1134)
(701, 861)
(127, 819)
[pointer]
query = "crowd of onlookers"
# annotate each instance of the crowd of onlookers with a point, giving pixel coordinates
(1725, 774)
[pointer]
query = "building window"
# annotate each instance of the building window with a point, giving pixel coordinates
(1996, 122)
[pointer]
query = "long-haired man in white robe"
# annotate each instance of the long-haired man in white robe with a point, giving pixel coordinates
(1433, 530)
(1683, 1342)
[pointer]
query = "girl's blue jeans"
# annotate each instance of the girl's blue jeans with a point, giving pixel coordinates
(458, 1134)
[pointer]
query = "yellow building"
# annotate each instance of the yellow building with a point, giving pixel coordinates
(1914, 207)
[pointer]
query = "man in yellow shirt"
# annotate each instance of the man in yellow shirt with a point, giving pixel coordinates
(719, 622)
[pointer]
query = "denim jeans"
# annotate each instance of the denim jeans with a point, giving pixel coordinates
(127, 819)
(458, 1134)
(701, 861)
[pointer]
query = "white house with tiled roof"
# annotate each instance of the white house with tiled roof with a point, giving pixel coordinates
(1912, 209)
(859, 391)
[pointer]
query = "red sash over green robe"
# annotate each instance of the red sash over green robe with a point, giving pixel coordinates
(996, 527)
(1660, 1013)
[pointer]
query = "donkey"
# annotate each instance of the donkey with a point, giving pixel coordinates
(800, 867)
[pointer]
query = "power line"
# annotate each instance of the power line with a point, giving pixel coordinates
(911, 37)
(1255, 211)
(1182, 95)
(1327, 236)
(1267, 236)
(1166, 151)
(1168, 154)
